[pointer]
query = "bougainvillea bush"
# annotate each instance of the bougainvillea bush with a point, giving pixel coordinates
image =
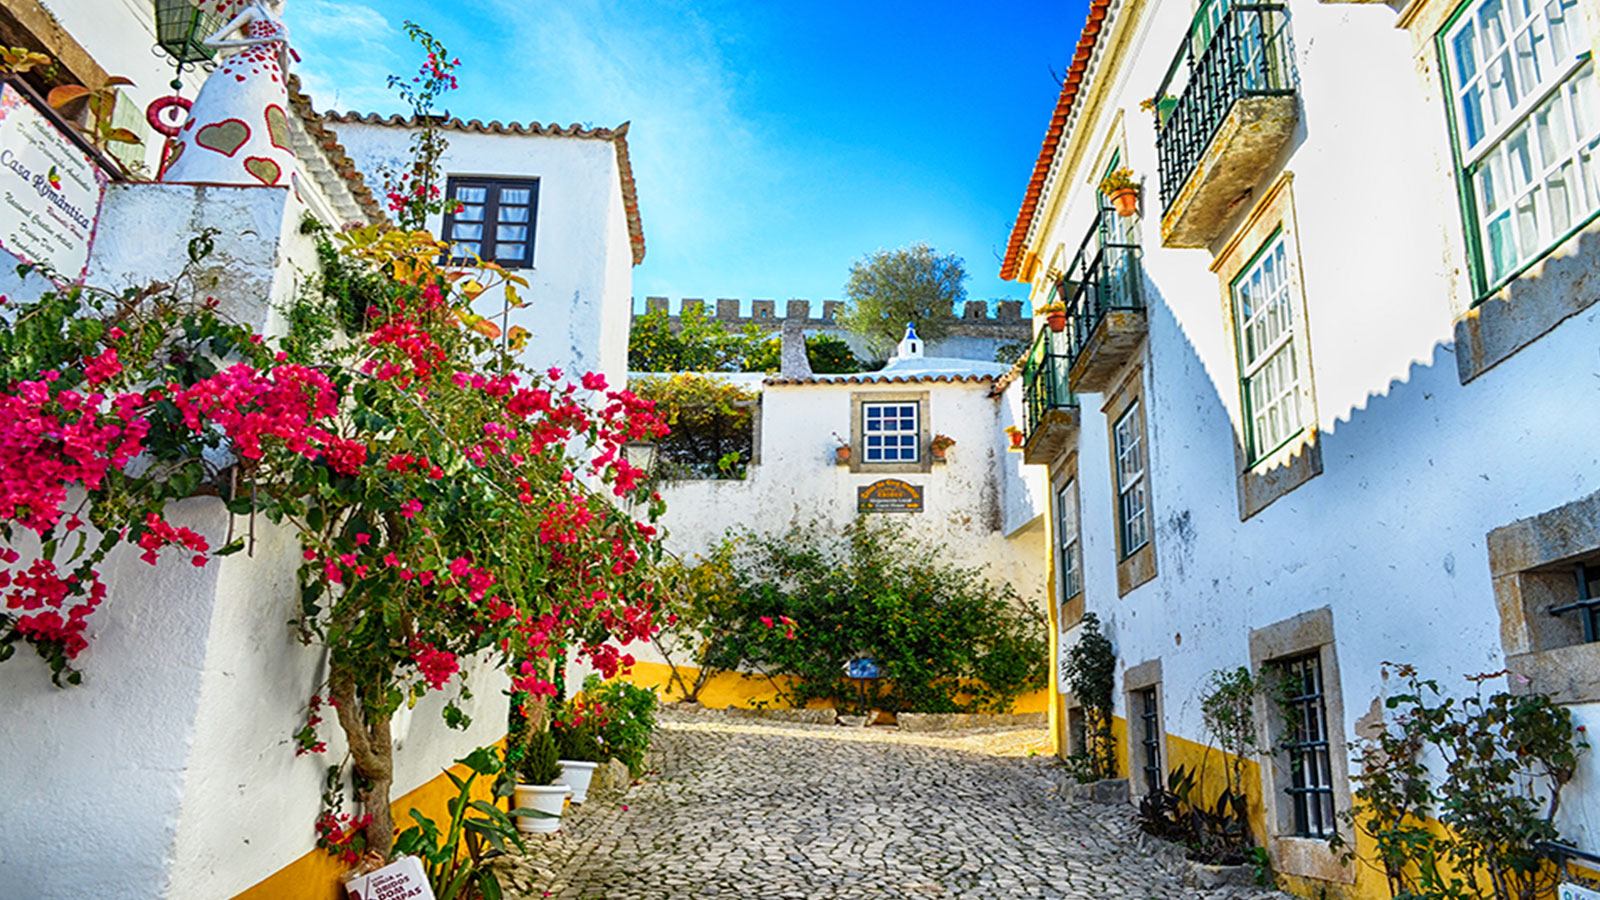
(449, 501)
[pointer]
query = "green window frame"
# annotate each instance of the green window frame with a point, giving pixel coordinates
(1524, 113)
(1133, 496)
(1262, 295)
(1067, 537)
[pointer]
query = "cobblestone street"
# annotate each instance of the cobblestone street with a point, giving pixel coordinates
(744, 810)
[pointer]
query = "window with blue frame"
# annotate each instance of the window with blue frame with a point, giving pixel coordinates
(890, 432)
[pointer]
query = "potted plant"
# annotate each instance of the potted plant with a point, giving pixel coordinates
(1016, 436)
(841, 452)
(940, 444)
(537, 788)
(1055, 315)
(579, 756)
(1123, 191)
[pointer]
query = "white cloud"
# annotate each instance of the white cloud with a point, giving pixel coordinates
(345, 52)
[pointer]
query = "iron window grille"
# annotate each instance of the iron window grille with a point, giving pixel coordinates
(1588, 605)
(1067, 525)
(1133, 523)
(1231, 51)
(491, 219)
(1269, 374)
(1104, 275)
(1522, 98)
(891, 432)
(1311, 770)
(1044, 376)
(1150, 720)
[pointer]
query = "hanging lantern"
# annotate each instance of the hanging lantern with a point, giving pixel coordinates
(181, 29)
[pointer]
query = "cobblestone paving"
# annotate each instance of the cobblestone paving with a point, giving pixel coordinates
(741, 810)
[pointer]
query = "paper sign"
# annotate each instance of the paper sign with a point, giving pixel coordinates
(50, 190)
(402, 879)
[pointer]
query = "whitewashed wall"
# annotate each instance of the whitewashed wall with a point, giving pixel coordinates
(581, 284)
(1417, 466)
(170, 772)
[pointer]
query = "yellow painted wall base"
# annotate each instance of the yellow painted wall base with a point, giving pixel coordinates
(318, 876)
(727, 689)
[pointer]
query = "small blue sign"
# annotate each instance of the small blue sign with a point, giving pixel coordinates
(865, 667)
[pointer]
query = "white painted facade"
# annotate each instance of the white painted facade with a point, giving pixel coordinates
(1427, 443)
(580, 288)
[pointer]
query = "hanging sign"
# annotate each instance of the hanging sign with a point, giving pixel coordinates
(891, 495)
(864, 667)
(50, 190)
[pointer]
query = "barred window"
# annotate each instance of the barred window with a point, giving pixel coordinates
(1310, 786)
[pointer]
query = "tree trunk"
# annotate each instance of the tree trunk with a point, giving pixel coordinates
(372, 753)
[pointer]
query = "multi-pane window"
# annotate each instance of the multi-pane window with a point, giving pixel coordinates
(1523, 103)
(1310, 767)
(1133, 513)
(1587, 607)
(1150, 739)
(890, 432)
(1067, 531)
(1263, 313)
(491, 219)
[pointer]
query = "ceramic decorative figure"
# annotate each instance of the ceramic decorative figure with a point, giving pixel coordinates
(238, 129)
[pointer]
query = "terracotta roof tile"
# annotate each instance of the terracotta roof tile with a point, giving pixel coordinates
(1052, 138)
(881, 379)
(337, 157)
(617, 136)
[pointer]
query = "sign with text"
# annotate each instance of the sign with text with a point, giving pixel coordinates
(891, 495)
(50, 190)
(1570, 891)
(864, 667)
(402, 879)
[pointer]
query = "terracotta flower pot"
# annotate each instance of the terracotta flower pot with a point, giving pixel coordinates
(938, 452)
(1126, 201)
(1016, 439)
(842, 453)
(1056, 320)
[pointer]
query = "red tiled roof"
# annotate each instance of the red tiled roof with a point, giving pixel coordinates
(1070, 87)
(879, 379)
(333, 150)
(617, 136)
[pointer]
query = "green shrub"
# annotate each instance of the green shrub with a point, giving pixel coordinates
(945, 638)
(630, 714)
(578, 743)
(540, 759)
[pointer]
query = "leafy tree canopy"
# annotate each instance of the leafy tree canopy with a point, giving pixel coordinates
(702, 343)
(913, 284)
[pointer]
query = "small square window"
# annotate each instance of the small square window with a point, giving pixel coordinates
(892, 432)
(491, 219)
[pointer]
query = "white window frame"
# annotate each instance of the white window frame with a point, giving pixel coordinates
(1522, 195)
(1068, 540)
(1132, 485)
(1263, 307)
(905, 439)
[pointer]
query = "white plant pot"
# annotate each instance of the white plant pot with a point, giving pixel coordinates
(577, 775)
(547, 798)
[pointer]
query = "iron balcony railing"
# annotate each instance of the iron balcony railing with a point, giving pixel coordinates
(1044, 377)
(1104, 276)
(1247, 51)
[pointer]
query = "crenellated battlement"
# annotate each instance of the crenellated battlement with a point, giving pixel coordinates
(974, 317)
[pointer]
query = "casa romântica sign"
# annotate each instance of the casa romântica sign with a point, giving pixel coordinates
(50, 190)
(891, 495)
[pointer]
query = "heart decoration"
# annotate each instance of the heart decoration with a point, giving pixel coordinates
(265, 170)
(172, 151)
(225, 137)
(278, 127)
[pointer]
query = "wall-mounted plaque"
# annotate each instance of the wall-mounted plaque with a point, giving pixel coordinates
(891, 495)
(50, 190)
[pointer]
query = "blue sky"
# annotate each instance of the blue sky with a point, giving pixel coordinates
(773, 144)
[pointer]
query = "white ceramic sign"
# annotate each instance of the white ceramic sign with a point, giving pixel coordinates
(50, 190)
(402, 879)
(1577, 892)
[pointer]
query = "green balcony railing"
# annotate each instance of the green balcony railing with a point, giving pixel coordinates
(1230, 52)
(1104, 275)
(1044, 378)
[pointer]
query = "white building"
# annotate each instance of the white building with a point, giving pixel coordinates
(974, 505)
(1326, 400)
(171, 771)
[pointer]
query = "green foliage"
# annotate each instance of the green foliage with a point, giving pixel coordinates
(1008, 352)
(541, 759)
(1505, 760)
(1216, 834)
(805, 602)
(1227, 706)
(455, 859)
(578, 743)
(890, 288)
(701, 343)
(827, 353)
(1091, 673)
(630, 713)
(712, 425)
(348, 291)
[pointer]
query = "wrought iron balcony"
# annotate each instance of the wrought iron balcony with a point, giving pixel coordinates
(1103, 290)
(1051, 414)
(1225, 110)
